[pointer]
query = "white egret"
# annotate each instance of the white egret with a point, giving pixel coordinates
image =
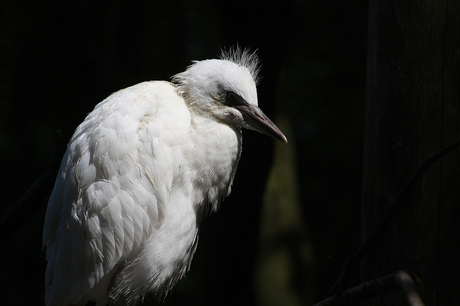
(139, 172)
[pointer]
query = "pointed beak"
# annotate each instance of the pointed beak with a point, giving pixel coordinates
(258, 121)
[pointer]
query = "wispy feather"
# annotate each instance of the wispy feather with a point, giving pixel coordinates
(243, 57)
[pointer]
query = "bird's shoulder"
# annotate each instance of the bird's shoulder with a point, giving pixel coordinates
(155, 99)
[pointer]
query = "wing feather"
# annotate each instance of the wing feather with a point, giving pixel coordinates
(111, 190)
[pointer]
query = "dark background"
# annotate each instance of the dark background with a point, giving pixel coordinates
(60, 58)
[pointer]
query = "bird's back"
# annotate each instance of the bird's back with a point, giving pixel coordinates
(113, 189)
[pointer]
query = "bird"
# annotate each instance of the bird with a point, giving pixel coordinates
(139, 173)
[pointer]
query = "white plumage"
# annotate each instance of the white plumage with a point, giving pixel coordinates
(122, 220)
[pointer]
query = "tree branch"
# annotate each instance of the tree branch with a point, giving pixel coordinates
(400, 280)
(395, 205)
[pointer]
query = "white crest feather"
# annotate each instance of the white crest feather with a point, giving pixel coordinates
(244, 58)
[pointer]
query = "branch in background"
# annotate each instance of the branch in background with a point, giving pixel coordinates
(353, 261)
(27, 204)
(401, 280)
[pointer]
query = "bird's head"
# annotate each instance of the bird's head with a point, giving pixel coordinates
(225, 89)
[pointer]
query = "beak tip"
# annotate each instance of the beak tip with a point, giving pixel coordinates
(283, 139)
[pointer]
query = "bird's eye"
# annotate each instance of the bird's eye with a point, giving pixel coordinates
(231, 96)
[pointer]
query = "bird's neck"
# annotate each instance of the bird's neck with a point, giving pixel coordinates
(219, 146)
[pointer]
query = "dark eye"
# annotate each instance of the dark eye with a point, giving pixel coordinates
(231, 96)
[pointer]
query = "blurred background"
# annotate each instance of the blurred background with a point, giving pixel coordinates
(293, 217)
